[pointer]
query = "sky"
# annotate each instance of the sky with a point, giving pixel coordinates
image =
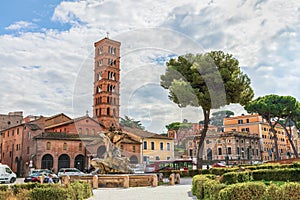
(46, 51)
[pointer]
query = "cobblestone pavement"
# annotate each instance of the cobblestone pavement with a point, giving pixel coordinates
(165, 192)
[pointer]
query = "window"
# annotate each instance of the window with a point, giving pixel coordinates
(100, 50)
(13, 132)
(80, 147)
(145, 145)
(168, 146)
(100, 63)
(28, 135)
(229, 150)
(238, 150)
(108, 111)
(87, 131)
(247, 129)
(157, 158)
(48, 146)
(152, 145)
(65, 146)
(93, 131)
(219, 151)
(240, 121)
(168, 157)
(161, 145)
(17, 131)
(247, 121)
(80, 131)
(207, 141)
(133, 149)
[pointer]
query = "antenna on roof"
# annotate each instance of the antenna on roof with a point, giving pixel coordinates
(107, 34)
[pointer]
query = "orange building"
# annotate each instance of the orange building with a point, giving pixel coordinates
(255, 124)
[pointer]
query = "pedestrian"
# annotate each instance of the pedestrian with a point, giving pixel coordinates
(50, 178)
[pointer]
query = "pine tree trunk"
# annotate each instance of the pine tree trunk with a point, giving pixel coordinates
(202, 138)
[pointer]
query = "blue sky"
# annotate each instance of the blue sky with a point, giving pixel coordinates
(36, 13)
(46, 58)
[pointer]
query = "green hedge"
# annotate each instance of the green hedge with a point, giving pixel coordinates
(236, 177)
(198, 184)
(288, 174)
(212, 188)
(3, 187)
(33, 191)
(243, 191)
(51, 193)
(222, 170)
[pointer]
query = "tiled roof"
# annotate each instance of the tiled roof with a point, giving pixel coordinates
(144, 134)
(33, 126)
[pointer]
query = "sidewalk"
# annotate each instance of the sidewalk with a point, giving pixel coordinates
(165, 192)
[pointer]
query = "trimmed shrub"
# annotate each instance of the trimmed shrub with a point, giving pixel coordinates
(273, 192)
(236, 177)
(212, 189)
(4, 195)
(291, 191)
(296, 165)
(26, 186)
(23, 194)
(198, 184)
(51, 193)
(81, 190)
(222, 170)
(242, 191)
(277, 174)
(3, 187)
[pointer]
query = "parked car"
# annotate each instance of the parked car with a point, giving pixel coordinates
(33, 177)
(69, 172)
(219, 165)
(7, 175)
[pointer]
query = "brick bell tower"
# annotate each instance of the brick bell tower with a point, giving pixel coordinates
(107, 82)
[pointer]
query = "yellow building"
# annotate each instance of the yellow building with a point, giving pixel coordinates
(257, 125)
(154, 146)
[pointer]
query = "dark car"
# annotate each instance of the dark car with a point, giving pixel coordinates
(34, 177)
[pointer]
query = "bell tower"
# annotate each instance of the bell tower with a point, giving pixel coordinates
(107, 82)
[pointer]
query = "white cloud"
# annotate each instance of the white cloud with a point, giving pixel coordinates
(48, 72)
(21, 25)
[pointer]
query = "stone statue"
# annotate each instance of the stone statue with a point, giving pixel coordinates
(112, 162)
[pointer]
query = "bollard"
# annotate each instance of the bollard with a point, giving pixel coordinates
(126, 181)
(172, 179)
(65, 180)
(95, 182)
(177, 178)
(154, 180)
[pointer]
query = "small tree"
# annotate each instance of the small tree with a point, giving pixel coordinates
(129, 122)
(209, 81)
(217, 118)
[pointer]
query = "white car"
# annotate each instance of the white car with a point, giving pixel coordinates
(69, 172)
(6, 175)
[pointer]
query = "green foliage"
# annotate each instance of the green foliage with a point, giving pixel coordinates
(291, 191)
(277, 174)
(178, 125)
(51, 193)
(273, 192)
(4, 195)
(222, 170)
(236, 177)
(217, 117)
(81, 189)
(243, 191)
(130, 122)
(3, 187)
(198, 184)
(26, 186)
(190, 79)
(212, 189)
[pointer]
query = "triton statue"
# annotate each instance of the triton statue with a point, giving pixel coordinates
(112, 162)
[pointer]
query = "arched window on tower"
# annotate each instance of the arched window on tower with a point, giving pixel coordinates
(114, 112)
(99, 77)
(108, 111)
(99, 89)
(99, 63)
(113, 89)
